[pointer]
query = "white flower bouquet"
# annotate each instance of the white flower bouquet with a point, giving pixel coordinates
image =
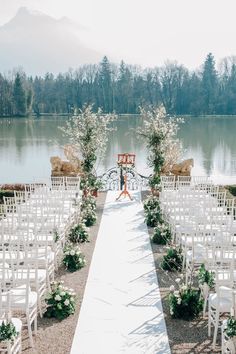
(60, 301)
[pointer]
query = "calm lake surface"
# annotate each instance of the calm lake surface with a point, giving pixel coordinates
(26, 146)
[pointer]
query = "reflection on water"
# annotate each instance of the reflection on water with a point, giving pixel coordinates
(26, 146)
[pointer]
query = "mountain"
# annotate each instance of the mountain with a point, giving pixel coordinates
(40, 44)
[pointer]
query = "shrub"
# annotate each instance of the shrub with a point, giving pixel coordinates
(56, 235)
(88, 201)
(151, 203)
(60, 301)
(172, 260)
(162, 234)
(230, 329)
(152, 211)
(153, 217)
(79, 233)
(7, 331)
(185, 303)
(5, 193)
(232, 190)
(89, 216)
(73, 259)
(204, 276)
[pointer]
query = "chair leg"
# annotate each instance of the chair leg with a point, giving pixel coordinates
(204, 307)
(30, 331)
(216, 328)
(35, 325)
(209, 320)
(40, 308)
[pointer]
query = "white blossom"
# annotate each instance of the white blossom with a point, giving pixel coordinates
(179, 301)
(57, 298)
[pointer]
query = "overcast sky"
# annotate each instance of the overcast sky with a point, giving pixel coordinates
(146, 32)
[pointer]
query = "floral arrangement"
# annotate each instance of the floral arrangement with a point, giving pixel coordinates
(88, 133)
(205, 277)
(88, 216)
(73, 259)
(230, 329)
(154, 182)
(151, 203)
(7, 331)
(60, 301)
(152, 211)
(172, 260)
(159, 131)
(162, 234)
(153, 217)
(185, 303)
(79, 233)
(88, 201)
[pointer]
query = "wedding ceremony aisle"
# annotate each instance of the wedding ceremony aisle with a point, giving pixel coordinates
(121, 310)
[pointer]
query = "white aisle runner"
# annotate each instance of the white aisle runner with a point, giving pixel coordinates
(121, 310)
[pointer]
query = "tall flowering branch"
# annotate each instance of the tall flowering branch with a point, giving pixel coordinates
(159, 132)
(88, 134)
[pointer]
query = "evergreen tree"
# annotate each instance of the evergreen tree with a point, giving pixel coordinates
(209, 85)
(105, 84)
(19, 96)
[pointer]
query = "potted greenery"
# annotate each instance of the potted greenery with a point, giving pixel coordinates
(8, 333)
(60, 301)
(230, 332)
(95, 185)
(73, 259)
(88, 216)
(206, 280)
(173, 260)
(152, 202)
(152, 211)
(185, 303)
(162, 234)
(88, 201)
(79, 233)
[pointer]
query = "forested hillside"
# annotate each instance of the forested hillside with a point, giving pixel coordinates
(123, 89)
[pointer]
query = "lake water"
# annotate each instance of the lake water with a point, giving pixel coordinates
(26, 146)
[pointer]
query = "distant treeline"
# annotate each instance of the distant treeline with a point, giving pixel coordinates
(123, 89)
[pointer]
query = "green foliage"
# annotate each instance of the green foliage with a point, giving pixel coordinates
(88, 202)
(204, 276)
(73, 259)
(209, 85)
(79, 233)
(153, 217)
(152, 211)
(185, 303)
(19, 96)
(154, 181)
(232, 190)
(151, 203)
(56, 235)
(7, 331)
(162, 234)
(88, 216)
(5, 193)
(230, 329)
(60, 301)
(88, 133)
(180, 90)
(172, 260)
